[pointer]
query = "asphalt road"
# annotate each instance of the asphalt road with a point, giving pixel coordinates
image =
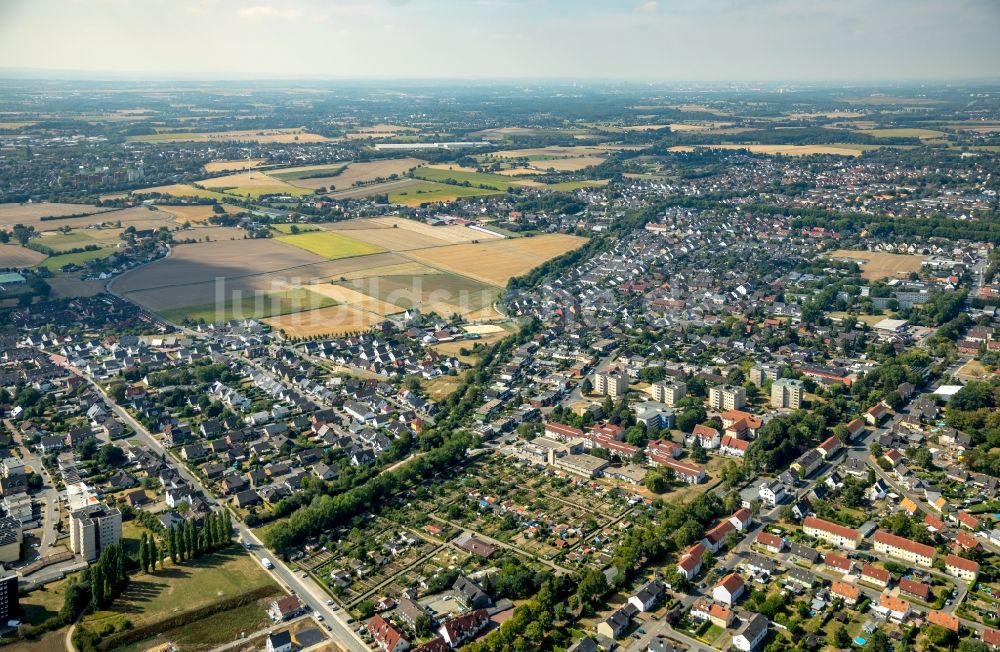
(307, 589)
(50, 510)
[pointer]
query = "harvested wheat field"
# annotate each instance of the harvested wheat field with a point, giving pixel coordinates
(141, 217)
(209, 233)
(356, 173)
(256, 183)
(569, 164)
(190, 212)
(497, 261)
(403, 184)
(552, 151)
(517, 172)
(877, 265)
(347, 296)
(12, 255)
(443, 293)
(401, 234)
(71, 285)
(232, 166)
(450, 234)
(182, 190)
(333, 320)
(32, 214)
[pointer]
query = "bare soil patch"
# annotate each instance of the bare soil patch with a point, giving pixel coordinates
(333, 320)
(31, 214)
(12, 255)
(876, 265)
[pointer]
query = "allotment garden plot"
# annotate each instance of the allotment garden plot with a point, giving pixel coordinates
(537, 514)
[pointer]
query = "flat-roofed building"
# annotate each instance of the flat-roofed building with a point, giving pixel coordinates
(94, 528)
(727, 397)
(786, 393)
(11, 538)
(667, 392)
(613, 383)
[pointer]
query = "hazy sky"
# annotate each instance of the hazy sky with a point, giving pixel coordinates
(621, 39)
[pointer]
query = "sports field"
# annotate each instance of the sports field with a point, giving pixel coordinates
(876, 265)
(330, 245)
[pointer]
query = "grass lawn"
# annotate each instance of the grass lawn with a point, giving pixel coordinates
(153, 598)
(273, 304)
(429, 192)
(330, 245)
(476, 179)
(442, 386)
(45, 602)
(63, 241)
(221, 627)
(54, 263)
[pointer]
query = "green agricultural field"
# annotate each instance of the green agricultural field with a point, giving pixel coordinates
(429, 192)
(261, 306)
(315, 173)
(54, 263)
(256, 192)
(475, 179)
(63, 241)
(287, 228)
(330, 245)
(567, 186)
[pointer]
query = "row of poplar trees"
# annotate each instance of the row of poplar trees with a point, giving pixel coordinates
(182, 542)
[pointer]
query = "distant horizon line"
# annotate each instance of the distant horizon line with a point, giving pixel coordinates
(68, 75)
